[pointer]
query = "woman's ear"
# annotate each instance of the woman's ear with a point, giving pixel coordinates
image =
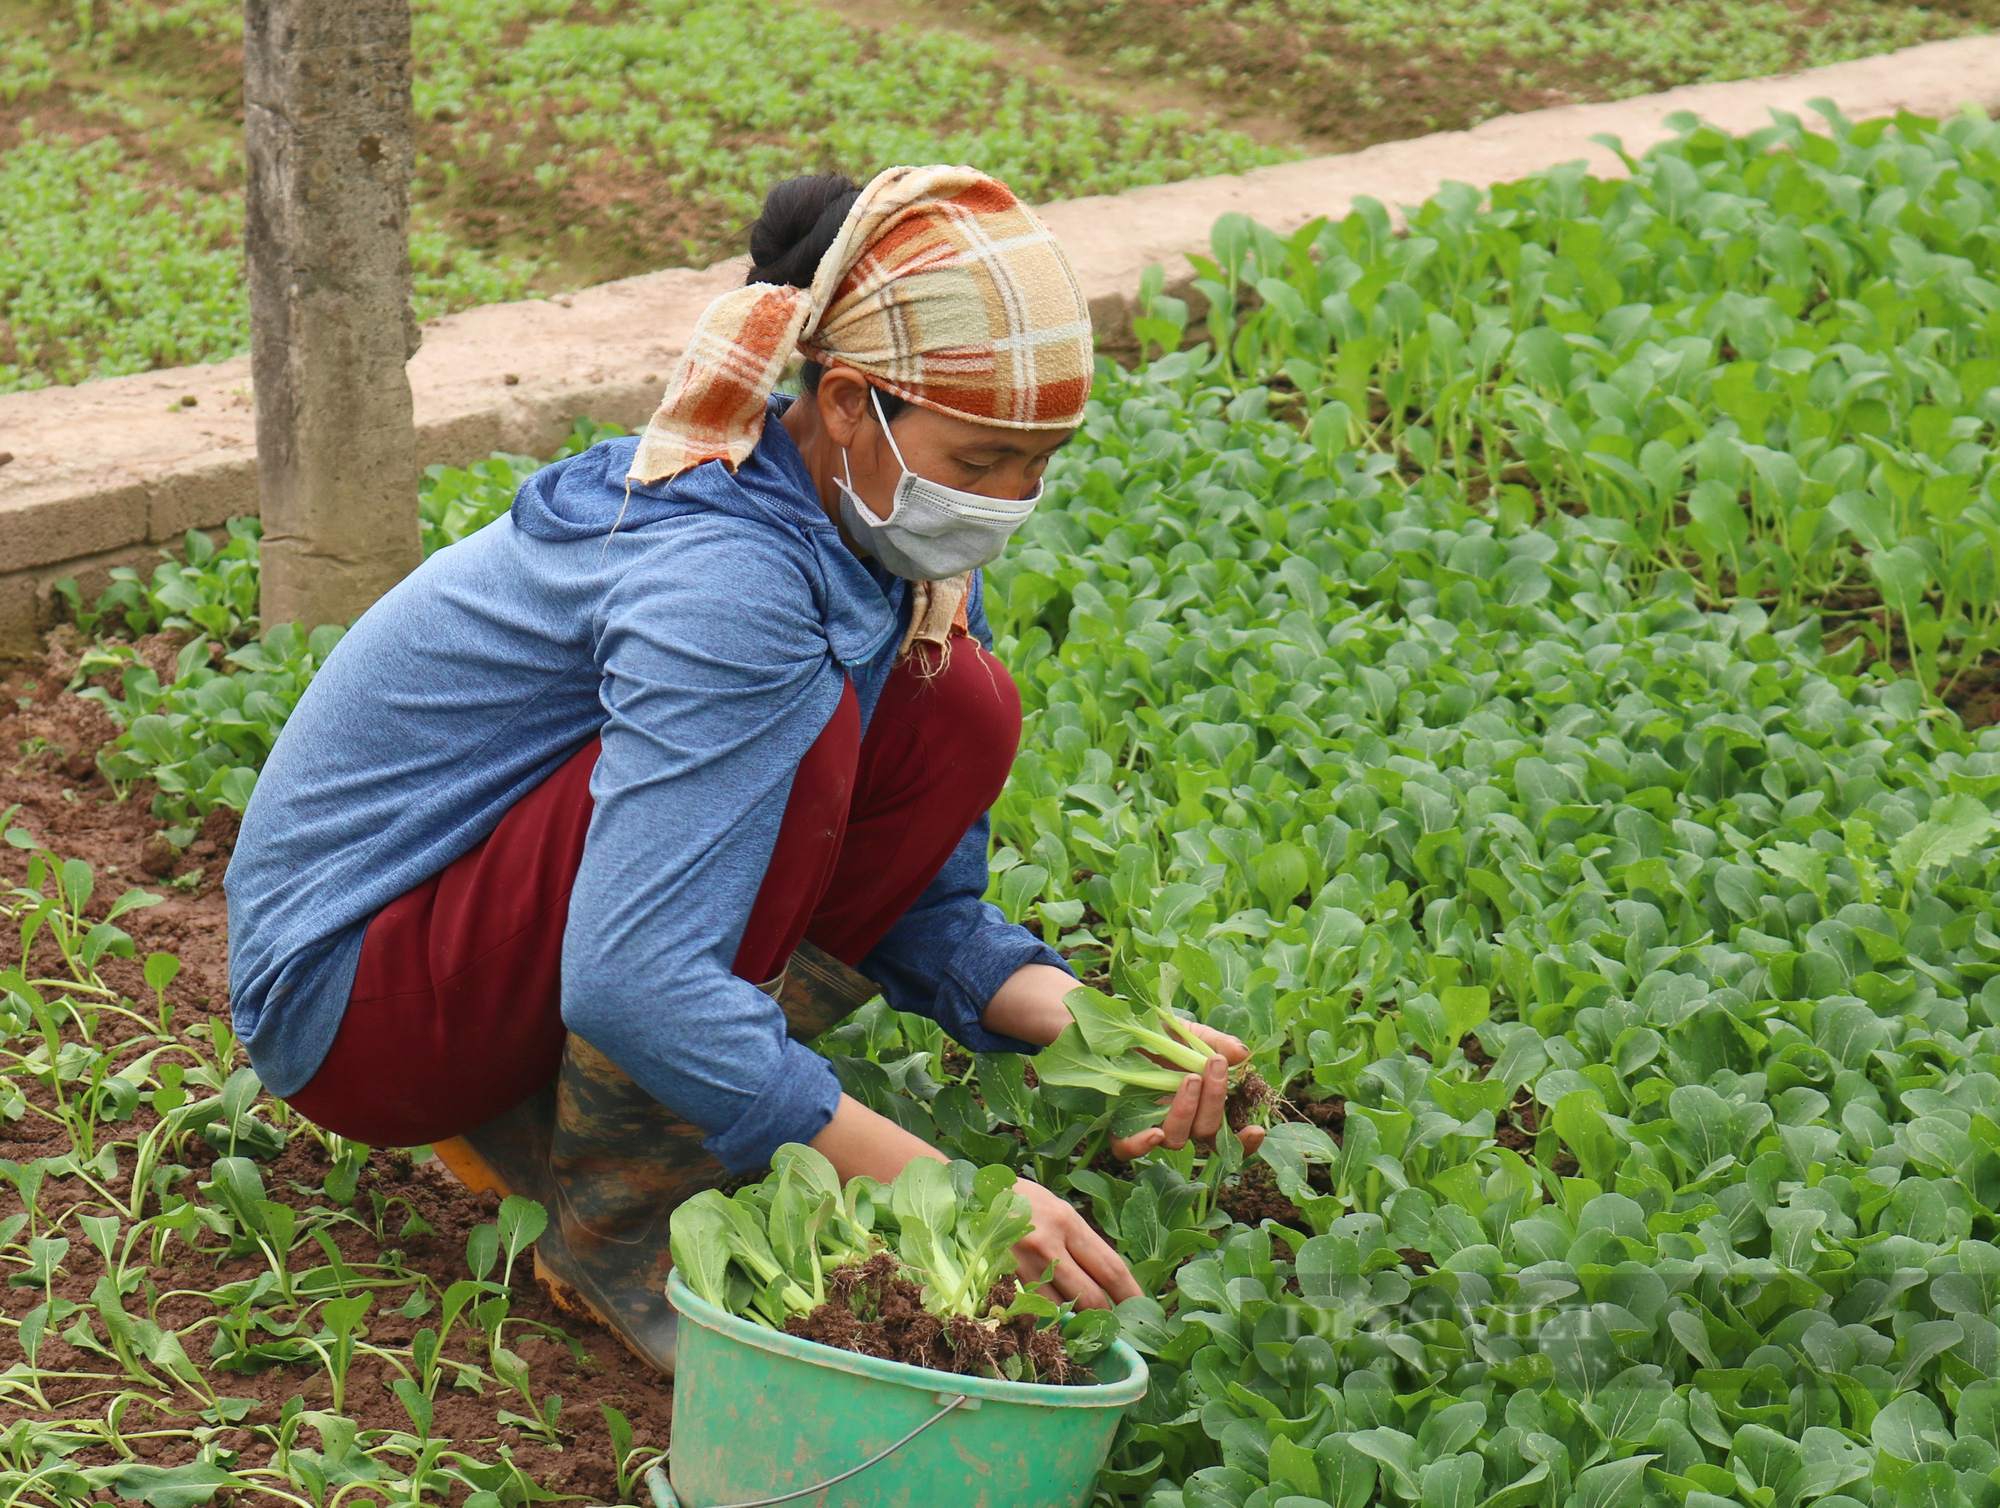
(843, 404)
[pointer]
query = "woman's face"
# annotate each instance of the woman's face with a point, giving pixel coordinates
(981, 458)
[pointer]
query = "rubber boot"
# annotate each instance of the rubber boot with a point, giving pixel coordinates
(610, 1163)
(510, 1153)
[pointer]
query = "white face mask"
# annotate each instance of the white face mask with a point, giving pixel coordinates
(932, 531)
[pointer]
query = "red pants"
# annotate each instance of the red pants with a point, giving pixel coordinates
(456, 1016)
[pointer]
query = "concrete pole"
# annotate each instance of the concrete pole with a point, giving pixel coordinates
(328, 135)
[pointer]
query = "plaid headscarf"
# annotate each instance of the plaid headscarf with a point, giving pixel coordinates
(942, 287)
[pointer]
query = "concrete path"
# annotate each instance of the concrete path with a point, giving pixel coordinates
(104, 473)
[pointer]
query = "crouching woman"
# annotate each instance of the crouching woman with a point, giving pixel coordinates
(597, 814)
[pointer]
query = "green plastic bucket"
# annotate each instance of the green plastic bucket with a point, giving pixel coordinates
(758, 1413)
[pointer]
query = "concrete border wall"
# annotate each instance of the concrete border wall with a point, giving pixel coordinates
(106, 473)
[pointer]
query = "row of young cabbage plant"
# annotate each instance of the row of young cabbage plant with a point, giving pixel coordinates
(1497, 782)
(1774, 358)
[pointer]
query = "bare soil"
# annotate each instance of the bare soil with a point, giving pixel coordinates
(1518, 1125)
(1329, 1114)
(49, 782)
(874, 1308)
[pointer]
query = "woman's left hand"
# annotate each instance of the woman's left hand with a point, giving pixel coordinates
(1199, 1106)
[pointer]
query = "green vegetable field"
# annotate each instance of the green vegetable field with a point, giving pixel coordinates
(559, 144)
(1524, 676)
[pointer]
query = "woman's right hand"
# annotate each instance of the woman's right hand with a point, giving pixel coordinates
(1085, 1268)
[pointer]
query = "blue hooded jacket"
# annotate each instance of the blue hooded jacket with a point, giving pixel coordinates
(706, 638)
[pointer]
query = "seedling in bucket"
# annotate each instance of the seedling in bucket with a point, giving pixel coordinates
(805, 1306)
(922, 1271)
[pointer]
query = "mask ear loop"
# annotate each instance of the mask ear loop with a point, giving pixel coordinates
(847, 474)
(875, 397)
(847, 465)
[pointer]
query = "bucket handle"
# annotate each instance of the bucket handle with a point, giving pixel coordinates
(663, 1490)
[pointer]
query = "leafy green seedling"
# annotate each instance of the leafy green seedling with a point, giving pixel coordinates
(1440, 1022)
(520, 1224)
(1102, 1048)
(625, 1459)
(335, 1344)
(767, 1252)
(958, 1246)
(161, 970)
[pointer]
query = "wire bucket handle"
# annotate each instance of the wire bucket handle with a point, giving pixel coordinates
(664, 1496)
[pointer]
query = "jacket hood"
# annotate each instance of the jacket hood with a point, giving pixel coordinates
(587, 496)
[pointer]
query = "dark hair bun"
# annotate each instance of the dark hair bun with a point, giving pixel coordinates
(796, 230)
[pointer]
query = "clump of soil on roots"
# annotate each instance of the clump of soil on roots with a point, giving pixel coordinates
(1248, 1100)
(876, 1309)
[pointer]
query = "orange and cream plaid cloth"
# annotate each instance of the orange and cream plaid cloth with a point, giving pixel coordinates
(941, 286)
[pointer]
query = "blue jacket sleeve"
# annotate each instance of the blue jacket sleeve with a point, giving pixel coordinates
(707, 716)
(952, 950)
